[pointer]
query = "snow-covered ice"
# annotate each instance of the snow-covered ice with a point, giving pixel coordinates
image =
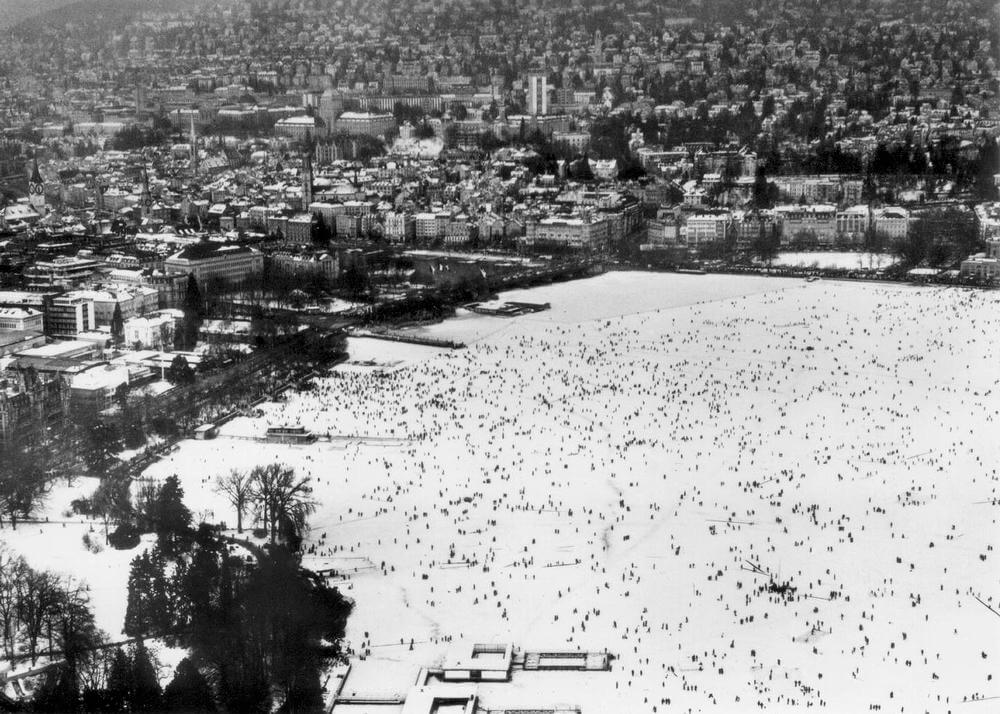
(608, 473)
(617, 472)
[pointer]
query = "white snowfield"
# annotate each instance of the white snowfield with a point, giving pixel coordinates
(633, 468)
(835, 261)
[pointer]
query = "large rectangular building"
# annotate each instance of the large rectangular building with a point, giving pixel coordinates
(69, 316)
(367, 123)
(217, 262)
(20, 319)
(577, 233)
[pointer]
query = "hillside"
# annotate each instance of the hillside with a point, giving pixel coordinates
(14, 11)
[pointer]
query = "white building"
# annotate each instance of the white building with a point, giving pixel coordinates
(538, 93)
(981, 267)
(706, 228)
(853, 222)
(19, 319)
(154, 332)
(134, 301)
(400, 227)
(892, 222)
(210, 262)
(367, 123)
(578, 233)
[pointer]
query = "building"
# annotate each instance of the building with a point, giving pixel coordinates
(481, 663)
(400, 227)
(365, 123)
(307, 181)
(95, 389)
(347, 226)
(808, 226)
(706, 228)
(427, 227)
(578, 141)
(19, 319)
(301, 128)
(69, 316)
(460, 231)
(981, 267)
(216, 262)
(538, 93)
(891, 222)
(752, 226)
(571, 232)
(299, 228)
(306, 265)
(853, 223)
(663, 233)
(155, 332)
(36, 190)
(28, 405)
(13, 342)
(64, 272)
(133, 301)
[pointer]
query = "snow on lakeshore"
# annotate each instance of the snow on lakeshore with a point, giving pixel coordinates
(610, 480)
(835, 261)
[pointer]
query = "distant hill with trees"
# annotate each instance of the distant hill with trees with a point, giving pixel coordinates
(25, 14)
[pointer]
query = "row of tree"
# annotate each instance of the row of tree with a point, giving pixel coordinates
(39, 608)
(279, 500)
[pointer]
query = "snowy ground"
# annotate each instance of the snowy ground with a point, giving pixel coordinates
(612, 466)
(835, 261)
(601, 476)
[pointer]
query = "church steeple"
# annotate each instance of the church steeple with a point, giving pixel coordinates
(36, 189)
(307, 179)
(145, 197)
(194, 148)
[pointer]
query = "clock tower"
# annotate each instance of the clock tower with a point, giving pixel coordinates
(36, 190)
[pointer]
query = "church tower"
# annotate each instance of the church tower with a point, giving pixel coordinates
(145, 197)
(194, 148)
(307, 180)
(36, 190)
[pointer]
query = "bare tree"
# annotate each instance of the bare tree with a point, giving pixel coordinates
(12, 570)
(112, 502)
(23, 485)
(238, 487)
(37, 594)
(277, 493)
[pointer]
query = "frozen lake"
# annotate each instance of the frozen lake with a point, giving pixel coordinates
(633, 468)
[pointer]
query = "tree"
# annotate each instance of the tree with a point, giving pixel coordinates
(132, 681)
(761, 193)
(194, 312)
(423, 130)
(766, 244)
(237, 487)
(148, 610)
(111, 501)
(13, 569)
(117, 325)
(940, 236)
(37, 594)
(188, 692)
(23, 484)
(146, 692)
(168, 517)
(278, 495)
(179, 371)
